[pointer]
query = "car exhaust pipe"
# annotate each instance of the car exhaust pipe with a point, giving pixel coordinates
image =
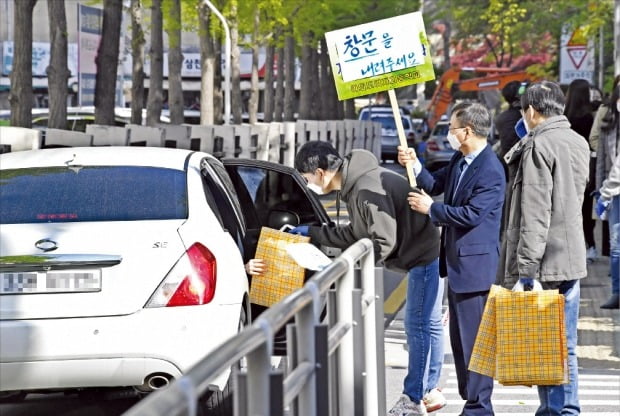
(154, 382)
(157, 381)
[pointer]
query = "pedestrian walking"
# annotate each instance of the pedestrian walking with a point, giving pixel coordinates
(473, 184)
(578, 111)
(541, 241)
(506, 120)
(404, 241)
(606, 134)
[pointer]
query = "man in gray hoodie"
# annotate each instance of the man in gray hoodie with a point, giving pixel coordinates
(544, 240)
(404, 241)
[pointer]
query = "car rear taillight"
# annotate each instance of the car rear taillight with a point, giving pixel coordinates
(432, 146)
(190, 282)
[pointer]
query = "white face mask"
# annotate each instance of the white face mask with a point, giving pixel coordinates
(454, 142)
(618, 105)
(316, 189)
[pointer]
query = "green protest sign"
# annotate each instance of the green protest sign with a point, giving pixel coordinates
(380, 55)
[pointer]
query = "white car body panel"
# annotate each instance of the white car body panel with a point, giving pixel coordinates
(109, 338)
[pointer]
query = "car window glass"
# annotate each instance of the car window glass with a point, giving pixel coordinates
(388, 122)
(92, 193)
(271, 191)
(440, 130)
(227, 206)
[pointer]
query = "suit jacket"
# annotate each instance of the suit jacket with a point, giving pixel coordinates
(470, 219)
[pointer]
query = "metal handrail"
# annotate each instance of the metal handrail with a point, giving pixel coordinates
(255, 343)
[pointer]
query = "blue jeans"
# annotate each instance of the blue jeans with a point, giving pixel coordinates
(421, 296)
(436, 354)
(564, 399)
(614, 243)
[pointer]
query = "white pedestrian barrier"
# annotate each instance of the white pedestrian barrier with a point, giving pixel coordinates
(66, 138)
(145, 136)
(108, 135)
(15, 139)
(275, 142)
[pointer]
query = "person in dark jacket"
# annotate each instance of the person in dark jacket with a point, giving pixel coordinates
(578, 111)
(404, 241)
(505, 122)
(473, 185)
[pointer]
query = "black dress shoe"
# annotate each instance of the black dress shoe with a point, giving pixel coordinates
(612, 303)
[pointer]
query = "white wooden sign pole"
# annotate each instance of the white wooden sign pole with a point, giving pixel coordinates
(401, 135)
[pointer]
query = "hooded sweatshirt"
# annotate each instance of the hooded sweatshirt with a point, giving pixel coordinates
(376, 200)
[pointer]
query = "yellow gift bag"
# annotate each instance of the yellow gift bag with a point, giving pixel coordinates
(282, 274)
(522, 338)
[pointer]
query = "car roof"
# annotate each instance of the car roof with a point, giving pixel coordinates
(98, 156)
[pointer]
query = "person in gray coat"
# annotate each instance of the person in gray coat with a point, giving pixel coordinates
(544, 239)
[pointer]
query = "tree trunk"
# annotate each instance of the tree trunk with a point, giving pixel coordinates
(307, 89)
(268, 94)
(236, 102)
(156, 89)
(218, 94)
(254, 91)
(175, 63)
(289, 90)
(107, 62)
(349, 109)
(446, 44)
(207, 67)
(137, 58)
(326, 83)
(57, 71)
(316, 97)
(279, 104)
(20, 95)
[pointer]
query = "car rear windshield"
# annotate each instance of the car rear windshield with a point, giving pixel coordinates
(440, 130)
(388, 122)
(91, 193)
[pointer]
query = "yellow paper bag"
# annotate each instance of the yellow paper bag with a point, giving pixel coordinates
(522, 338)
(531, 338)
(282, 274)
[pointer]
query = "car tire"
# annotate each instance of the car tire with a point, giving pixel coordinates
(220, 403)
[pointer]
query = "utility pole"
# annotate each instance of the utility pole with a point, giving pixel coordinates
(227, 48)
(617, 38)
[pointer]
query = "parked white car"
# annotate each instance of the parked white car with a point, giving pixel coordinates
(124, 266)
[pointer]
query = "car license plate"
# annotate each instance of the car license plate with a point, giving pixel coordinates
(75, 281)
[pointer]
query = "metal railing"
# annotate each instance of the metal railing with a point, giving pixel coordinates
(335, 366)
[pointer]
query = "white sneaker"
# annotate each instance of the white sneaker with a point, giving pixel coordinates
(434, 400)
(405, 407)
(591, 254)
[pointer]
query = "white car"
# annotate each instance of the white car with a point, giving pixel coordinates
(124, 266)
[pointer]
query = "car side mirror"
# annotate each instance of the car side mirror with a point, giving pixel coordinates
(279, 217)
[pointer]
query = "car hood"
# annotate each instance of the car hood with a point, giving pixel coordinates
(130, 258)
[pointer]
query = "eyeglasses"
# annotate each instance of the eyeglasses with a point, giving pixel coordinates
(456, 128)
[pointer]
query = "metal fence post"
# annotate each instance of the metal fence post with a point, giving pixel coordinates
(259, 368)
(305, 321)
(346, 389)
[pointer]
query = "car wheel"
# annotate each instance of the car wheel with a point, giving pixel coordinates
(220, 403)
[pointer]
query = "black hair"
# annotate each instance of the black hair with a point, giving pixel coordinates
(545, 97)
(475, 116)
(511, 93)
(611, 118)
(578, 99)
(317, 154)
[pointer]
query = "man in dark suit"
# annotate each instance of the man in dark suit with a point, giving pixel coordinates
(473, 185)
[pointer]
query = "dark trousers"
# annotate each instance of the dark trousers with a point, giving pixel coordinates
(465, 316)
